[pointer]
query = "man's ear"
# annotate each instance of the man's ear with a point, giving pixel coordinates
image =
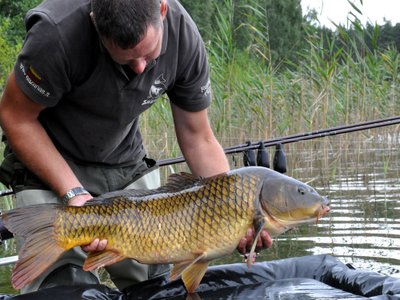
(93, 19)
(163, 9)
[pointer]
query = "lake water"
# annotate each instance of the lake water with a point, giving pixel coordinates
(360, 175)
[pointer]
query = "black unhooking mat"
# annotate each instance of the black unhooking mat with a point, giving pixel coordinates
(308, 277)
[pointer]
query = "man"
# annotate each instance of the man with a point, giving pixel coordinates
(71, 107)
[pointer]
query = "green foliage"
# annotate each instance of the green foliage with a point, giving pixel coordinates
(15, 11)
(202, 13)
(8, 54)
(10, 8)
(285, 20)
(12, 32)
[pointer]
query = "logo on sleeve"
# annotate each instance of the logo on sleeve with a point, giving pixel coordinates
(31, 73)
(33, 79)
(206, 89)
(156, 90)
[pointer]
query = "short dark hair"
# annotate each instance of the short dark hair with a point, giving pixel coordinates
(125, 22)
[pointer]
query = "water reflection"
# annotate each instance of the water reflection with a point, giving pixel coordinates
(363, 228)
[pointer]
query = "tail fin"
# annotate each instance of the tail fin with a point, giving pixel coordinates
(40, 249)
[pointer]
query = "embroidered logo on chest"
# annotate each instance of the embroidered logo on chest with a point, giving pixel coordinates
(156, 90)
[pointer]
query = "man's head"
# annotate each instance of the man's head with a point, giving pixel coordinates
(131, 30)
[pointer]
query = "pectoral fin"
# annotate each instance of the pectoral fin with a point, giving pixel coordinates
(97, 260)
(258, 227)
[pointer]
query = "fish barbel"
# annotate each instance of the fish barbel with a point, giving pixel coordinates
(188, 222)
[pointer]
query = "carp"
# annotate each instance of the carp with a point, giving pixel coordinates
(187, 222)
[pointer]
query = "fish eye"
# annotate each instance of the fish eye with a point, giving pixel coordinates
(301, 190)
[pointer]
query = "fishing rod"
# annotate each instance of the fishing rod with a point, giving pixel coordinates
(298, 137)
(6, 193)
(8, 260)
(285, 140)
(318, 134)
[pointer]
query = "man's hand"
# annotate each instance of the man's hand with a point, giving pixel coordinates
(263, 242)
(97, 244)
(79, 200)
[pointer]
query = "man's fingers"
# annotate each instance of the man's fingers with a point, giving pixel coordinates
(250, 239)
(92, 246)
(96, 245)
(259, 245)
(263, 242)
(266, 239)
(242, 245)
(102, 245)
(245, 242)
(80, 200)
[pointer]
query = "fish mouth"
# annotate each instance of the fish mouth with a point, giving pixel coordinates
(279, 223)
(322, 211)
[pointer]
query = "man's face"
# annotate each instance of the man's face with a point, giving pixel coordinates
(138, 57)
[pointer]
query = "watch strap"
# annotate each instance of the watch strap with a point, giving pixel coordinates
(74, 192)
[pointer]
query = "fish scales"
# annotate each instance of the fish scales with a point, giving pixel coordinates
(199, 222)
(187, 222)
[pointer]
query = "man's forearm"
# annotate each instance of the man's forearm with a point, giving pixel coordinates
(37, 152)
(29, 140)
(207, 158)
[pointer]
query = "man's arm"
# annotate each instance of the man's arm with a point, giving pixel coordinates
(205, 157)
(31, 143)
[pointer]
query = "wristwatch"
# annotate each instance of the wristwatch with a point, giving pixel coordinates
(74, 192)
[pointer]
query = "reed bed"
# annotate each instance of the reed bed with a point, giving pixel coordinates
(256, 99)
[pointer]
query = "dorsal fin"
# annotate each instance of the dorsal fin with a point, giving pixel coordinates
(181, 181)
(176, 182)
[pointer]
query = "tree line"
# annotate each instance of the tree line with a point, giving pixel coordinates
(285, 25)
(277, 29)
